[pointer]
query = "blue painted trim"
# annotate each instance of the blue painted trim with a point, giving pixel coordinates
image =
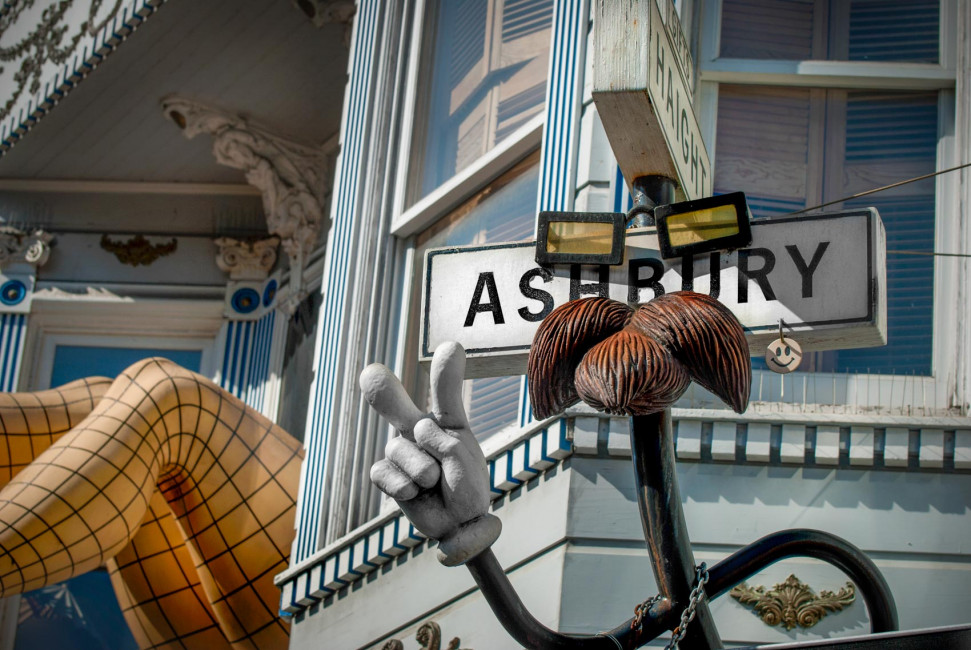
(334, 285)
(561, 136)
(30, 108)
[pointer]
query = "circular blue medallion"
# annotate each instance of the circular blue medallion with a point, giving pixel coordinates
(269, 293)
(13, 292)
(245, 300)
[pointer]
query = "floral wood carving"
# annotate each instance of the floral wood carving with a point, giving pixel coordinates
(19, 246)
(429, 635)
(293, 178)
(138, 251)
(246, 259)
(793, 603)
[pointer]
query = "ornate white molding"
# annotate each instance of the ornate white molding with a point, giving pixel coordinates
(293, 178)
(246, 260)
(327, 12)
(47, 47)
(17, 246)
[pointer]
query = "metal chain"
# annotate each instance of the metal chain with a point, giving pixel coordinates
(688, 615)
(689, 612)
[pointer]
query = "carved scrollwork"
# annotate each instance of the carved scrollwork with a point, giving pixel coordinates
(138, 250)
(293, 178)
(18, 246)
(325, 12)
(246, 259)
(429, 635)
(49, 37)
(792, 602)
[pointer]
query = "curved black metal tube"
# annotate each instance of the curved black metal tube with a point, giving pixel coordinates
(533, 635)
(816, 544)
(665, 530)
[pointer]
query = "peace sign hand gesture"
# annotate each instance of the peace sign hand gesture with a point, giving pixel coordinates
(435, 470)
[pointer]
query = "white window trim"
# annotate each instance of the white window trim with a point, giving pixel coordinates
(928, 393)
(161, 324)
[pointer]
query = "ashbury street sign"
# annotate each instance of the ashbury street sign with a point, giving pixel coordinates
(823, 275)
(642, 86)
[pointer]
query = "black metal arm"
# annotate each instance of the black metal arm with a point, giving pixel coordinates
(652, 447)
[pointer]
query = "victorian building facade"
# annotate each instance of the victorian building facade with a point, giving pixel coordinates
(250, 188)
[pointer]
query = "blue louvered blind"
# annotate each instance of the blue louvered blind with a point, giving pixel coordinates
(485, 77)
(889, 137)
(772, 144)
(855, 30)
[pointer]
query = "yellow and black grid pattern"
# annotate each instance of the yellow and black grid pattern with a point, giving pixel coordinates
(197, 562)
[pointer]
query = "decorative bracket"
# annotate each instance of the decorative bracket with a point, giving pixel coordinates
(429, 635)
(793, 602)
(293, 178)
(17, 246)
(246, 259)
(325, 12)
(138, 251)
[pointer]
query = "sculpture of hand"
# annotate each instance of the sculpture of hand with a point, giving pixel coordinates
(435, 470)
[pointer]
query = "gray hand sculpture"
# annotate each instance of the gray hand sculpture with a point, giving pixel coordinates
(435, 470)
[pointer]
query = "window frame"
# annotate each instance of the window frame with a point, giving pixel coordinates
(936, 389)
(184, 325)
(407, 221)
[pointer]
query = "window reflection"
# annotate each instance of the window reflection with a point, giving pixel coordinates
(487, 66)
(502, 212)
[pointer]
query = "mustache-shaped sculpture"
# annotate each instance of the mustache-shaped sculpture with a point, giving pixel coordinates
(635, 361)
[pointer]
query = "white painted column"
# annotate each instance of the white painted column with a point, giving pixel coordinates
(561, 136)
(245, 369)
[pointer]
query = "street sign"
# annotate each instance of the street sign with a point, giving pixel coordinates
(823, 275)
(642, 85)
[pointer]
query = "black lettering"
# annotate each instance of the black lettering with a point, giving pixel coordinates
(659, 63)
(487, 282)
(759, 275)
(669, 105)
(694, 159)
(635, 283)
(536, 294)
(601, 288)
(807, 270)
(684, 135)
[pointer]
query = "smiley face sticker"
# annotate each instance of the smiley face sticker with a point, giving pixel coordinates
(783, 355)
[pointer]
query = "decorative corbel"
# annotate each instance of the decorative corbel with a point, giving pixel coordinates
(17, 246)
(293, 178)
(246, 259)
(327, 12)
(21, 253)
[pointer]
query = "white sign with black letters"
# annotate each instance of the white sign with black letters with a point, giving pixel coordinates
(823, 275)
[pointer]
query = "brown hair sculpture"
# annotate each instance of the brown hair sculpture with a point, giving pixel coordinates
(635, 361)
(187, 494)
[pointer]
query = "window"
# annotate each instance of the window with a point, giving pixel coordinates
(484, 76)
(791, 148)
(793, 132)
(502, 212)
(846, 30)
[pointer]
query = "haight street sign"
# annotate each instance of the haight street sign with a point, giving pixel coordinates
(823, 275)
(642, 86)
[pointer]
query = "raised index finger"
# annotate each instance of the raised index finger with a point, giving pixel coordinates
(447, 374)
(388, 397)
